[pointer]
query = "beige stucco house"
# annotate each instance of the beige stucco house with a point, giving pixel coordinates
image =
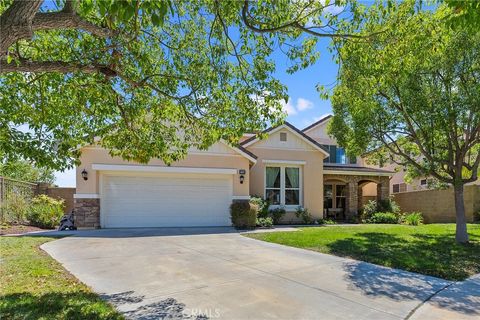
(290, 167)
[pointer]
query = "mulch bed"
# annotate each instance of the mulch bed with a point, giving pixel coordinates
(18, 229)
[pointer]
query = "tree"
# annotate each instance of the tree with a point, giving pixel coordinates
(412, 93)
(151, 78)
(26, 171)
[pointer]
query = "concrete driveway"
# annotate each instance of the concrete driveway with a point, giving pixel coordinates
(217, 273)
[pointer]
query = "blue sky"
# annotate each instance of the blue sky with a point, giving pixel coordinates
(305, 105)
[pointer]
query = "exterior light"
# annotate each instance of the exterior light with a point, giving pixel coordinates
(242, 178)
(85, 175)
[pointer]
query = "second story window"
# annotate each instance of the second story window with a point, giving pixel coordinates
(338, 155)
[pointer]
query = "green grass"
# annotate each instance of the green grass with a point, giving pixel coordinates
(35, 286)
(426, 249)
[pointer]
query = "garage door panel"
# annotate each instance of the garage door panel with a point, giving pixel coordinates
(167, 200)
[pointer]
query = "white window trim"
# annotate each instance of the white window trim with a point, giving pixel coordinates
(290, 207)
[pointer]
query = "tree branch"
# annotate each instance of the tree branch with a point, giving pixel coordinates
(54, 66)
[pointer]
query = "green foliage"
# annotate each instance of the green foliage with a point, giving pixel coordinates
(369, 209)
(243, 214)
(262, 204)
(204, 69)
(326, 221)
(277, 214)
(45, 212)
(388, 205)
(412, 219)
(14, 209)
(265, 222)
(410, 95)
(383, 217)
(25, 171)
(305, 215)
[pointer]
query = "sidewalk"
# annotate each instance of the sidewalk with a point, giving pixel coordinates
(459, 301)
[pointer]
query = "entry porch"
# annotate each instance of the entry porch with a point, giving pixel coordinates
(346, 189)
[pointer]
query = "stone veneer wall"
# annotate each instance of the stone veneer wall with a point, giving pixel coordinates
(87, 213)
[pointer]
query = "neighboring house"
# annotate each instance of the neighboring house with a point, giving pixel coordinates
(290, 167)
(399, 184)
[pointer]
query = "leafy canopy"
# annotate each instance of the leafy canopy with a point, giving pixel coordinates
(151, 78)
(26, 171)
(411, 95)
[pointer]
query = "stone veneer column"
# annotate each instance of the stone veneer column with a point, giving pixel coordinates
(352, 199)
(383, 189)
(87, 213)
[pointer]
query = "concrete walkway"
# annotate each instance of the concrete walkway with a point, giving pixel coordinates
(199, 273)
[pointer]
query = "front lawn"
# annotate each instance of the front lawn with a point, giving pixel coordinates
(35, 286)
(427, 249)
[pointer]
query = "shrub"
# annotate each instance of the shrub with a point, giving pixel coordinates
(413, 219)
(277, 214)
(14, 209)
(388, 205)
(243, 214)
(262, 206)
(265, 222)
(372, 207)
(325, 221)
(383, 217)
(45, 212)
(368, 210)
(304, 215)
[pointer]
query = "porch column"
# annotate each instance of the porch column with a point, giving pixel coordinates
(383, 189)
(352, 199)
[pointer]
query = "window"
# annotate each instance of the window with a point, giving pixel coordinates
(272, 185)
(423, 182)
(399, 187)
(337, 155)
(282, 185)
(396, 188)
(328, 196)
(283, 136)
(340, 196)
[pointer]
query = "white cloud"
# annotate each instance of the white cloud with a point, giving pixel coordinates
(304, 104)
(301, 104)
(288, 108)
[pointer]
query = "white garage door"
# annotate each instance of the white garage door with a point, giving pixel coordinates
(166, 200)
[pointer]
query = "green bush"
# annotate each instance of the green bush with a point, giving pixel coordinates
(243, 214)
(383, 217)
(304, 215)
(262, 206)
(369, 209)
(45, 212)
(325, 221)
(265, 222)
(413, 219)
(388, 205)
(14, 209)
(372, 207)
(277, 214)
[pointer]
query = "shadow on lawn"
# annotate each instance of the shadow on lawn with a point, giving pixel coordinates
(435, 255)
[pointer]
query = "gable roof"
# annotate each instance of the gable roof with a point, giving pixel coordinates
(291, 128)
(319, 122)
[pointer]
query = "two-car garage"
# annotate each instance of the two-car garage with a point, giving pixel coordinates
(165, 200)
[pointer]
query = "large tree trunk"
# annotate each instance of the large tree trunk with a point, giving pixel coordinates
(461, 235)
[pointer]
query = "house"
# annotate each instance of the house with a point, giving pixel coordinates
(290, 167)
